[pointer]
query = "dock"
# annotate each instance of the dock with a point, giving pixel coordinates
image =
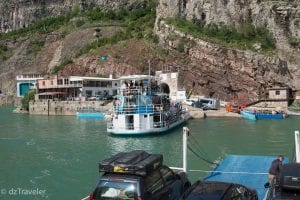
(250, 171)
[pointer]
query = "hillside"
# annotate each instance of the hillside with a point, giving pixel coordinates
(233, 56)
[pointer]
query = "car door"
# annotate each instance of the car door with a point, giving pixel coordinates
(173, 185)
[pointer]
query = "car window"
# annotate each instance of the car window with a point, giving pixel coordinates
(204, 101)
(154, 182)
(110, 189)
(168, 176)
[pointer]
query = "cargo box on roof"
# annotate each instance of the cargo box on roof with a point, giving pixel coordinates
(136, 162)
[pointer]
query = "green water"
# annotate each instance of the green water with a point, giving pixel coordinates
(59, 155)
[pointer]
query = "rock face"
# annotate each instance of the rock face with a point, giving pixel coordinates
(227, 73)
(236, 13)
(205, 68)
(226, 67)
(17, 14)
(281, 18)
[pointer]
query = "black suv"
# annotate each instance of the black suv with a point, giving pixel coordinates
(287, 184)
(215, 190)
(138, 175)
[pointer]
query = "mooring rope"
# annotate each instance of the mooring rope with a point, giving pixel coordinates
(204, 159)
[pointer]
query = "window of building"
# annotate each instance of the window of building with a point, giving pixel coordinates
(59, 82)
(66, 81)
(43, 83)
(277, 92)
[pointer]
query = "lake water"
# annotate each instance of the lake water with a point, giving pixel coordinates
(58, 156)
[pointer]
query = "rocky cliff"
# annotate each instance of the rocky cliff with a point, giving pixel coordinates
(210, 68)
(281, 18)
(17, 14)
(227, 73)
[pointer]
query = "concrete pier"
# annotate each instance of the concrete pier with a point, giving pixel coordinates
(50, 107)
(198, 113)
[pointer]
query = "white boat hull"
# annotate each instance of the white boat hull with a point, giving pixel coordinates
(150, 130)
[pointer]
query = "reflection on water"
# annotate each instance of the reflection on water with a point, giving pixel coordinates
(61, 154)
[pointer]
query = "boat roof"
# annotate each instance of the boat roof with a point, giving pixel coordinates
(248, 170)
(81, 78)
(135, 77)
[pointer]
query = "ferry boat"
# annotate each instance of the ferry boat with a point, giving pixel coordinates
(262, 114)
(143, 106)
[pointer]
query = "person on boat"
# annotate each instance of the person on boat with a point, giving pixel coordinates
(275, 168)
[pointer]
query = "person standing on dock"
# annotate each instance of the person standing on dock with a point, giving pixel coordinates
(275, 168)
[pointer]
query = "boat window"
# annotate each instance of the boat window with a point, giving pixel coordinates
(156, 118)
(145, 116)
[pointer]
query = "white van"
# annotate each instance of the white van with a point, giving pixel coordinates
(189, 101)
(207, 104)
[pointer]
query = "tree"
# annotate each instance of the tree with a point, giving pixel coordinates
(27, 98)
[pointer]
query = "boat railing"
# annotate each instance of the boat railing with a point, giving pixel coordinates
(132, 126)
(137, 90)
(138, 109)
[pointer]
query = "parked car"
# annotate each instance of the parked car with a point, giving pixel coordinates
(287, 184)
(94, 98)
(107, 97)
(207, 104)
(214, 190)
(189, 101)
(138, 175)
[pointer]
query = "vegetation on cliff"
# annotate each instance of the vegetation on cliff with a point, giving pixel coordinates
(247, 37)
(136, 23)
(28, 97)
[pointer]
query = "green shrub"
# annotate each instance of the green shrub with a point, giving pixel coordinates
(27, 98)
(79, 23)
(294, 42)
(35, 46)
(61, 66)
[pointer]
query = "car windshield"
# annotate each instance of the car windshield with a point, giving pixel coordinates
(203, 101)
(119, 189)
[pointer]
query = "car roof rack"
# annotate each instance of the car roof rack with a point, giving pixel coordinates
(137, 162)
